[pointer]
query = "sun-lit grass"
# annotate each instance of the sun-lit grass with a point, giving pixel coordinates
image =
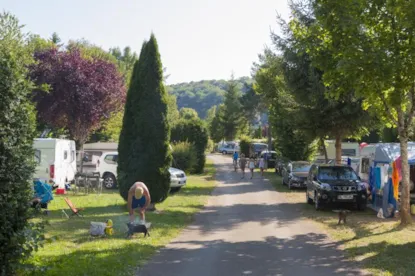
(72, 251)
(379, 245)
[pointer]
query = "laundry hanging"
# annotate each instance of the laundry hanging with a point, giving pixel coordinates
(395, 180)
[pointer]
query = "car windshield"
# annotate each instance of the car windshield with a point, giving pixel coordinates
(301, 167)
(270, 155)
(337, 173)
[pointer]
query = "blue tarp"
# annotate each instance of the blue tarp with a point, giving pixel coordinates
(43, 191)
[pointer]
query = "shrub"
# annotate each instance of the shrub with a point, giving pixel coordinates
(245, 145)
(194, 132)
(184, 156)
(17, 130)
(143, 148)
(210, 146)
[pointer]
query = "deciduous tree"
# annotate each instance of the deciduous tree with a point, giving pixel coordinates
(319, 115)
(188, 113)
(81, 94)
(371, 48)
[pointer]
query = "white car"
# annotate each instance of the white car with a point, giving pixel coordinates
(107, 168)
(229, 148)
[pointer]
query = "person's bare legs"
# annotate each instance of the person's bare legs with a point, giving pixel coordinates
(252, 173)
(243, 173)
(141, 213)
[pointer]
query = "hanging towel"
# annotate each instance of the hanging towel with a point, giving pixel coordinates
(391, 197)
(372, 183)
(385, 199)
(399, 167)
(395, 180)
(378, 178)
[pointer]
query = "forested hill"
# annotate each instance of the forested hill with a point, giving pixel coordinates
(202, 95)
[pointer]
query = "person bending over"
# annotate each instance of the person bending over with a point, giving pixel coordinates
(138, 200)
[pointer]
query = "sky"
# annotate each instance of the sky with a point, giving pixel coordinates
(198, 40)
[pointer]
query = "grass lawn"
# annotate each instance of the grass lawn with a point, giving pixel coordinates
(72, 251)
(379, 245)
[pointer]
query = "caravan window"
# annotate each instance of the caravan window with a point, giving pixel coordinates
(72, 155)
(348, 152)
(365, 165)
(111, 159)
(37, 156)
(65, 155)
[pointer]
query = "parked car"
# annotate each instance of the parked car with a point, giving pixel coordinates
(335, 184)
(228, 148)
(295, 176)
(107, 168)
(257, 148)
(270, 156)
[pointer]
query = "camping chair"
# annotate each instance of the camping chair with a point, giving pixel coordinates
(75, 211)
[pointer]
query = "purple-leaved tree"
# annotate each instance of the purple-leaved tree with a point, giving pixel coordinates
(82, 92)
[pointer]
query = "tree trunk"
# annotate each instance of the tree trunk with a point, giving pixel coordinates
(338, 146)
(323, 145)
(405, 194)
(81, 153)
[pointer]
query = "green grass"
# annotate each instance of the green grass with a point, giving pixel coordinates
(380, 245)
(72, 251)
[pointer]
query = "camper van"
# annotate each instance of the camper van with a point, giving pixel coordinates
(92, 153)
(55, 160)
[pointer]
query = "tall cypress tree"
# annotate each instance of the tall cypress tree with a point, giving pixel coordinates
(143, 147)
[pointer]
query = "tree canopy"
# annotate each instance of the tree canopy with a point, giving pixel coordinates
(79, 92)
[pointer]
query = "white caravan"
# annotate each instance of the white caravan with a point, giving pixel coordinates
(349, 149)
(55, 159)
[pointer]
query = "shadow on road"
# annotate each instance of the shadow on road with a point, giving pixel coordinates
(273, 256)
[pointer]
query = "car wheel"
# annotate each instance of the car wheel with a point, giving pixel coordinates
(224, 152)
(109, 181)
(317, 204)
(308, 199)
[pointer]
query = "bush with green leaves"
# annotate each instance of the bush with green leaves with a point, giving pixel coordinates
(193, 131)
(245, 145)
(184, 156)
(210, 146)
(143, 148)
(17, 130)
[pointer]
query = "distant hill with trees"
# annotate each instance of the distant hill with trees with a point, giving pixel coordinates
(202, 95)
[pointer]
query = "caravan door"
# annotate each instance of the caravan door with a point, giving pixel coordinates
(44, 157)
(71, 165)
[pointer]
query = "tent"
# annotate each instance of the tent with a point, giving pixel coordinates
(385, 155)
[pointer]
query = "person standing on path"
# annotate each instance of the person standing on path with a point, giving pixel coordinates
(262, 166)
(252, 166)
(242, 165)
(235, 160)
